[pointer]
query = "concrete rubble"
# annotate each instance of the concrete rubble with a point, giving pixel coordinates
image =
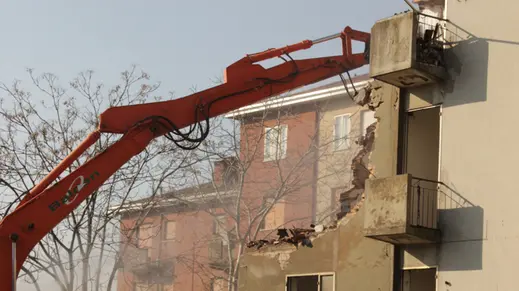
(294, 236)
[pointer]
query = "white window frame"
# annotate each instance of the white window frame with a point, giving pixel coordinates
(267, 156)
(319, 274)
(347, 142)
(150, 239)
(363, 127)
(220, 230)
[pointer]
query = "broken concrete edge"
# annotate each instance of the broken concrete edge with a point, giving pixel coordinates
(294, 237)
(360, 164)
(362, 170)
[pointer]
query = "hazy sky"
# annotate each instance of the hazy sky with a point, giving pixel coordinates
(179, 43)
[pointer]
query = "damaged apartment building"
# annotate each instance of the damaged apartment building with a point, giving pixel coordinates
(185, 239)
(437, 210)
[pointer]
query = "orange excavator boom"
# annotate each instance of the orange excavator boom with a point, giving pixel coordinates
(246, 82)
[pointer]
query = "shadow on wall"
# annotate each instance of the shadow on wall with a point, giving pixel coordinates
(462, 225)
(468, 71)
(466, 59)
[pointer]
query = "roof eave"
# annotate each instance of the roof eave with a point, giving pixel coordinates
(199, 199)
(295, 99)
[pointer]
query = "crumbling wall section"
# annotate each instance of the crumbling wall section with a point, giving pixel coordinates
(358, 263)
(385, 131)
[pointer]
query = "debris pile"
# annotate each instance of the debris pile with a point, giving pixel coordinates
(294, 236)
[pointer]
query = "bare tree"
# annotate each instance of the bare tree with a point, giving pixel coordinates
(39, 126)
(263, 176)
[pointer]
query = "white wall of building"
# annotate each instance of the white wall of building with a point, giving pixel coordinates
(479, 156)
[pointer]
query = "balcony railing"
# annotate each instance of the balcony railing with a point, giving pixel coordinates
(218, 253)
(139, 262)
(135, 258)
(423, 203)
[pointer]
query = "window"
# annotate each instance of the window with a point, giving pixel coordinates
(219, 224)
(275, 217)
(419, 279)
(275, 143)
(367, 118)
(220, 221)
(324, 282)
(169, 230)
(145, 236)
(341, 132)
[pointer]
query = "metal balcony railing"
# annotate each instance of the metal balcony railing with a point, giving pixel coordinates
(423, 203)
(135, 258)
(427, 196)
(218, 253)
(430, 41)
(138, 261)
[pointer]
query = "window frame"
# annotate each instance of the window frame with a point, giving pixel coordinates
(165, 230)
(318, 274)
(363, 127)
(284, 146)
(347, 134)
(216, 223)
(149, 225)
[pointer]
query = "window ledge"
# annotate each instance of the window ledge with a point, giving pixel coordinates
(273, 160)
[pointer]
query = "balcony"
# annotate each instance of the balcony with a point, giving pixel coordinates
(218, 253)
(402, 210)
(138, 261)
(407, 50)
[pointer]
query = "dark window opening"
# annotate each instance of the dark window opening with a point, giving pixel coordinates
(420, 280)
(310, 283)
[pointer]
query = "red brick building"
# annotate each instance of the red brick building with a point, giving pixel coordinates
(174, 241)
(315, 130)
